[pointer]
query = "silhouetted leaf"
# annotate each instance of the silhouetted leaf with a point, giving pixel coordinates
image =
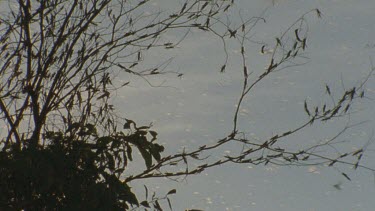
(222, 68)
(153, 133)
(104, 95)
(103, 141)
(297, 36)
(304, 44)
(127, 125)
(278, 41)
(357, 152)
(145, 204)
(332, 162)
(347, 108)
(173, 191)
(318, 13)
(129, 152)
(245, 71)
(306, 108)
(146, 191)
(157, 206)
(111, 161)
(143, 127)
(120, 170)
(295, 45)
(328, 89)
(169, 203)
(204, 5)
(262, 49)
(346, 176)
(146, 156)
(128, 195)
(334, 112)
(288, 54)
(155, 151)
(226, 9)
(73, 126)
(362, 94)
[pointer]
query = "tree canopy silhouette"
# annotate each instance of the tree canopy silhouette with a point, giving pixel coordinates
(66, 148)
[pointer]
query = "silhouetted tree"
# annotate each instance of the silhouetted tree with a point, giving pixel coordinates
(65, 146)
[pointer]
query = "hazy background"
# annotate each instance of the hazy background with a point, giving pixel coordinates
(198, 109)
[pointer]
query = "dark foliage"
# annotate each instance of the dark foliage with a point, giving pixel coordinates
(72, 174)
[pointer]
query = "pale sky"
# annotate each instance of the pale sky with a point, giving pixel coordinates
(199, 109)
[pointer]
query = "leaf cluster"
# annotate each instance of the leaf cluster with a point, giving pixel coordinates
(73, 173)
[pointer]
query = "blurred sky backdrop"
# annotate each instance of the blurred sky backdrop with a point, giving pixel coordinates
(198, 108)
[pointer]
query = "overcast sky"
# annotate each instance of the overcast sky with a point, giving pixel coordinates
(199, 107)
